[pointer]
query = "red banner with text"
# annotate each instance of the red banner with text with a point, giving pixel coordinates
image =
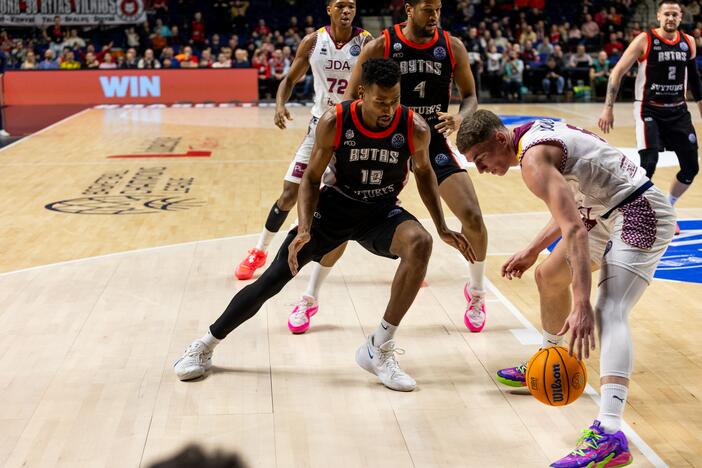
(27, 88)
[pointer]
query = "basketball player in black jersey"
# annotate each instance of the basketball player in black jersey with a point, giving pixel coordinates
(666, 58)
(369, 144)
(429, 59)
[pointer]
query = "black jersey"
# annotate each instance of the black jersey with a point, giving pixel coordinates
(427, 71)
(370, 166)
(662, 74)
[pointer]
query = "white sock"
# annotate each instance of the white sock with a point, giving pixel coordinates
(384, 333)
(265, 239)
(477, 275)
(210, 341)
(319, 274)
(549, 341)
(672, 199)
(612, 403)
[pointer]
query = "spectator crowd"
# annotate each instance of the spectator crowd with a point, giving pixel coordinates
(516, 47)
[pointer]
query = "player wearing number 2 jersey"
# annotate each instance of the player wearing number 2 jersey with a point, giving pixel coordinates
(667, 67)
(331, 52)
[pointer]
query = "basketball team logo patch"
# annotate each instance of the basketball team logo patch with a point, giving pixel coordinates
(349, 134)
(441, 159)
(692, 138)
(355, 50)
(683, 46)
(398, 140)
(439, 53)
(397, 46)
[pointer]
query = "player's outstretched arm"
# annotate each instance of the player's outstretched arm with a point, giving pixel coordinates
(540, 173)
(374, 49)
(429, 189)
(465, 82)
(300, 65)
(322, 151)
(632, 53)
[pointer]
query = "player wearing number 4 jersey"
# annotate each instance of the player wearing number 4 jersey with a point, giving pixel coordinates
(331, 52)
(429, 60)
(667, 66)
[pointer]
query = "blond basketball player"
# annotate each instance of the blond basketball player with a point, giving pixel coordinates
(331, 52)
(611, 217)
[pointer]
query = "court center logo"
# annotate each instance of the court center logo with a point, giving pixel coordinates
(147, 191)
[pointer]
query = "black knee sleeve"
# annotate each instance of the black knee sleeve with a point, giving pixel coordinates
(689, 166)
(649, 160)
(276, 218)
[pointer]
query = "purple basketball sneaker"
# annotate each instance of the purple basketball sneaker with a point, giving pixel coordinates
(597, 449)
(513, 376)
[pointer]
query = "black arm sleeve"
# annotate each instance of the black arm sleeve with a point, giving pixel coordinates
(693, 80)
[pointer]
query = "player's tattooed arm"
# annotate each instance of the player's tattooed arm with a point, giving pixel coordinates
(612, 91)
(636, 50)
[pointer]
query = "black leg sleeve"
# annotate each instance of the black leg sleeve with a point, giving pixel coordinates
(249, 300)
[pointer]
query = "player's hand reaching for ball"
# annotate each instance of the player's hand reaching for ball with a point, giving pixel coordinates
(518, 263)
(281, 114)
(294, 248)
(581, 323)
(459, 242)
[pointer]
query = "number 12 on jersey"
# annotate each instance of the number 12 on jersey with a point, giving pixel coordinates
(374, 177)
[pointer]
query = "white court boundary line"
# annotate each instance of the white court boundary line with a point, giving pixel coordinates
(631, 434)
(643, 447)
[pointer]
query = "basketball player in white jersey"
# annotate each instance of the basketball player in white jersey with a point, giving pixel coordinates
(667, 66)
(331, 52)
(610, 217)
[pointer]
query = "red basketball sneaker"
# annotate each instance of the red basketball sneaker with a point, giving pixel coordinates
(247, 267)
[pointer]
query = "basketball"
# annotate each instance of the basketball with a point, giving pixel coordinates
(554, 377)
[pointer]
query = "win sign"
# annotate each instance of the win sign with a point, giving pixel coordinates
(130, 86)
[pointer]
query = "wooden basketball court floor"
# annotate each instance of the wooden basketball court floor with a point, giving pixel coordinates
(102, 292)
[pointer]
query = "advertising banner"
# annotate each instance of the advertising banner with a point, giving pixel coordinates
(41, 13)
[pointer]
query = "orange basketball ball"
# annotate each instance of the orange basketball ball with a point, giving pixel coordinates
(554, 377)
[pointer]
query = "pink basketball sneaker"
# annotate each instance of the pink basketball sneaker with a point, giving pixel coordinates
(299, 318)
(474, 317)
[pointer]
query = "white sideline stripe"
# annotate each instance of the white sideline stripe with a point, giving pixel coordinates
(64, 120)
(528, 331)
(633, 437)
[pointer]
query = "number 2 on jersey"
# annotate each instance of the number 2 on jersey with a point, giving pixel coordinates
(340, 85)
(671, 73)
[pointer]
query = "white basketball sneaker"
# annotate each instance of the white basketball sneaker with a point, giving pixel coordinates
(381, 362)
(196, 360)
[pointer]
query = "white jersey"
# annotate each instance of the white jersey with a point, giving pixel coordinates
(331, 67)
(600, 176)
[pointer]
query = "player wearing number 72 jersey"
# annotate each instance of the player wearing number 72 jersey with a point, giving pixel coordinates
(331, 52)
